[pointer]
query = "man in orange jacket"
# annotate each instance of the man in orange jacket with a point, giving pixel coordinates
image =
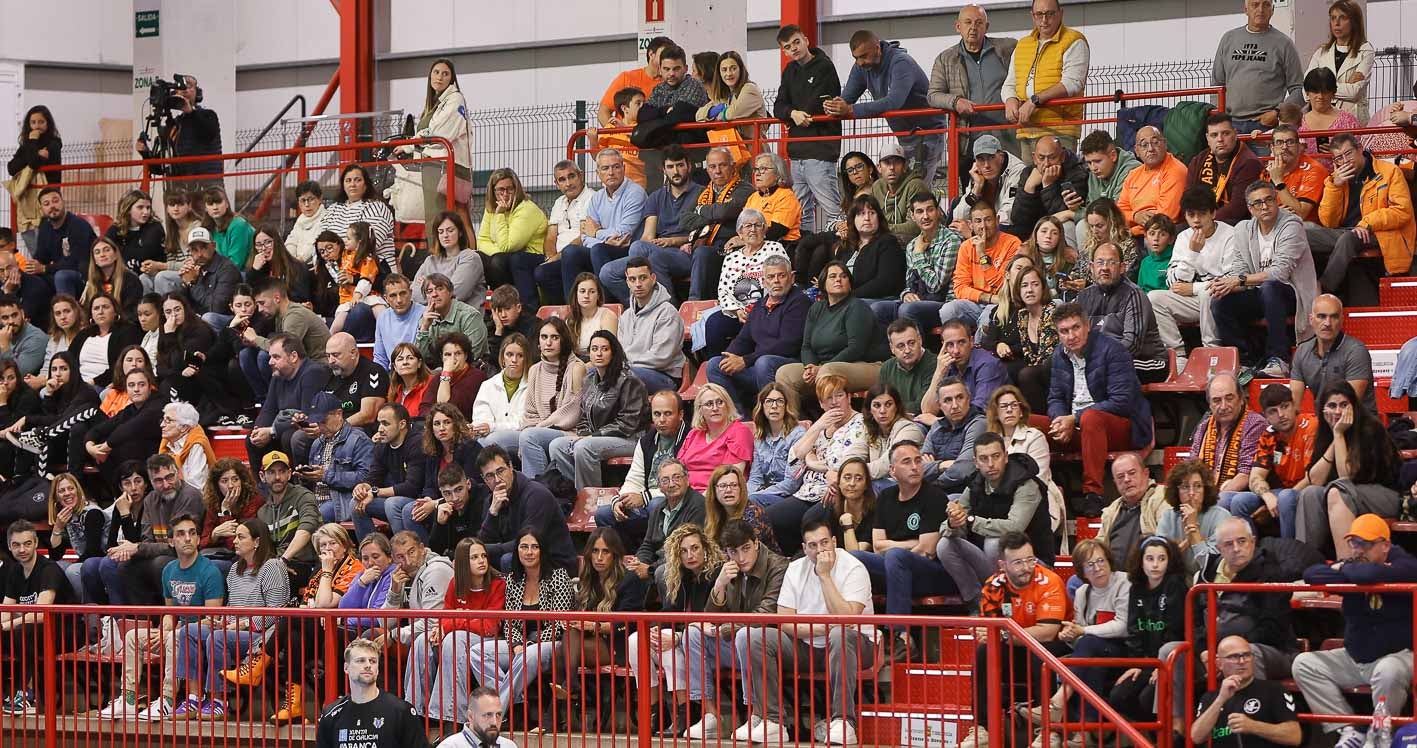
(1366, 205)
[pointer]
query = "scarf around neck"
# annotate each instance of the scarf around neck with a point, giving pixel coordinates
(1230, 463)
(706, 198)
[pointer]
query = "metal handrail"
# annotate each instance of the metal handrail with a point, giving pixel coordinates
(296, 99)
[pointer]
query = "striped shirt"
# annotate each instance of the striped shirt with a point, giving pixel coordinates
(268, 587)
(338, 217)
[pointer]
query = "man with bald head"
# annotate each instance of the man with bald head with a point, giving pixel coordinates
(1227, 437)
(1136, 511)
(358, 383)
(1046, 187)
(1155, 187)
(1330, 356)
(1245, 710)
(971, 74)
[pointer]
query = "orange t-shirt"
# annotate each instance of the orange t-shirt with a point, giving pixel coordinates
(635, 78)
(1044, 600)
(1306, 183)
(977, 274)
(1288, 461)
(780, 206)
(366, 271)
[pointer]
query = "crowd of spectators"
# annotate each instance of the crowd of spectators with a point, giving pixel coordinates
(987, 340)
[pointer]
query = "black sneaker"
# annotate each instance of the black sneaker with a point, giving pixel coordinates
(903, 649)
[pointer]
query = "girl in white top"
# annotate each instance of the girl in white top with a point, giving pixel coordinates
(1349, 55)
(501, 401)
(444, 116)
(588, 313)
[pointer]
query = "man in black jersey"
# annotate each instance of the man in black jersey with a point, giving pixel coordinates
(368, 717)
(1245, 711)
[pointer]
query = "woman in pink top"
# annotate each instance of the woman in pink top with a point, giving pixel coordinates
(716, 437)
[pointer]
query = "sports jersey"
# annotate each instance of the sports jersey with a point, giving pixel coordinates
(1287, 461)
(1262, 701)
(1306, 182)
(367, 380)
(384, 722)
(1043, 600)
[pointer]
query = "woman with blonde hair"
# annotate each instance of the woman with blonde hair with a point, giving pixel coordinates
(76, 523)
(837, 435)
(1002, 311)
(692, 560)
(716, 437)
(138, 236)
(512, 237)
(727, 499)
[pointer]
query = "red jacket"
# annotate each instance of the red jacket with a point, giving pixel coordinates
(492, 598)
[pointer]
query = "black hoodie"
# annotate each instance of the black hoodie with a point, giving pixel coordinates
(807, 87)
(1156, 616)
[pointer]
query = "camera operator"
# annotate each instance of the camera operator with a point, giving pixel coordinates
(194, 131)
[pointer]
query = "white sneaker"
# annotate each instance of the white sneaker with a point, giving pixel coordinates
(158, 711)
(841, 732)
(119, 708)
(977, 737)
(704, 729)
(1051, 740)
(744, 734)
(769, 733)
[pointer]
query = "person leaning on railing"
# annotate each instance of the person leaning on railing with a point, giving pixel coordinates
(1051, 62)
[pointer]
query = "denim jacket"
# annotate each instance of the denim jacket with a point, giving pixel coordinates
(770, 472)
(349, 466)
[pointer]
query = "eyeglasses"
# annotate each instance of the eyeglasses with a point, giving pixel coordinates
(1011, 405)
(752, 225)
(762, 169)
(778, 401)
(1096, 563)
(1106, 263)
(856, 169)
(265, 242)
(1045, 14)
(1284, 143)
(1239, 657)
(1022, 563)
(492, 475)
(1261, 202)
(672, 478)
(712, 404)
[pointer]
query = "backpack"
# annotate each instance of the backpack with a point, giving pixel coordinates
(1184, 126)
(1133, 118)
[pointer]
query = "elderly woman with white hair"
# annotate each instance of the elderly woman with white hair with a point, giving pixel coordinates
(774, 198)
(740, 284)
(188, 444)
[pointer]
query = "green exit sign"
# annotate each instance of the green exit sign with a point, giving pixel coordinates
(145, 23)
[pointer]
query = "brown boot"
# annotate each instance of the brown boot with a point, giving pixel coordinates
(292, 707)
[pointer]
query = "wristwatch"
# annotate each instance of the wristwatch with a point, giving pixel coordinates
(1036, 101)
(1280, 186)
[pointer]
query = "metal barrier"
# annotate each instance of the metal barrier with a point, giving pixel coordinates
(618, 689)
(1315, 592)
(762, 127)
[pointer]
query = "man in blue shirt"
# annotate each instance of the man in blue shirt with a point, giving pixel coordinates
(190, 580)
(613, 220)
(399, 324)
(661, 217)
(980, 370)
(64, 244)
(896, 82)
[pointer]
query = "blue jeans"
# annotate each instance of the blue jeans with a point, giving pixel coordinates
(256, 365)
(1244, 503)
(390, 510)
(636, 520)
(195, 638)
(535, 446)
(69, 281)
(905, 576)
(575, 259)
(703, 656)
(217, 320)
(1274, 302)
(1246, 126)
(670, 263)
(360, 323)
(548, 281)
(925, 314)
(963, 310)
(745, 385)
(814, 183)
(928, 149)
(99, 577)
(654, 380)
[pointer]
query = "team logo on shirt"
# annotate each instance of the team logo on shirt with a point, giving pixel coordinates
(378, 723)
(1252, 706)
(912, 523)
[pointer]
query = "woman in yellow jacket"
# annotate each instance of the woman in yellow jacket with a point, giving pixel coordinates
(511, 237)
(1385, 220)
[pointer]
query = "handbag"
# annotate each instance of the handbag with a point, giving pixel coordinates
(462, 176)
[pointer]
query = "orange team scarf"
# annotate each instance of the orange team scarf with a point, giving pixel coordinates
(706, 198)
(1216, 180)
(1230, 464)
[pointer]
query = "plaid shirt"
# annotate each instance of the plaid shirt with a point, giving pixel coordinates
(691, 91)
(931, 273)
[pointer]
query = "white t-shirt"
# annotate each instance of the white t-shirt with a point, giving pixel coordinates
(566, 216)
(802, 591)
(1200, 268)
(93, 359)
(1266, 244)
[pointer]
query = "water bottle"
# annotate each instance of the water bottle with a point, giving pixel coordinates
(1381, 731)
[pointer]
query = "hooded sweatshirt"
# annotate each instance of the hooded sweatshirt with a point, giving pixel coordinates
(653, 334)
(427, 591)
(1112, 186)
(897, 82)
(804, 87)
(1016, 504)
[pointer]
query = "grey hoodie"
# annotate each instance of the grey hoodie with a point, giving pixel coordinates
(1111, 187)
(427, 591)
(653, 335)
(1291, 263)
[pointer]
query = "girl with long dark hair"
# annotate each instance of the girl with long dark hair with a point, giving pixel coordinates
(612, 414)
(1353, 470)
(231, 233)
(553, 396)
(270, 259)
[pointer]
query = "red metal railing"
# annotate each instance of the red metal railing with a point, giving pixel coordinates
(1211, 593)
(933, 693)
(952, 130)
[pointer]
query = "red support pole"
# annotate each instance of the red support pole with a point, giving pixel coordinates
(356, 61)
(804, 14)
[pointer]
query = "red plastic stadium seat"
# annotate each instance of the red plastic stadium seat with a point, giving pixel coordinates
(1200, 366)
(690, 311)
(98, 221)
(582, 517)
(553, 310)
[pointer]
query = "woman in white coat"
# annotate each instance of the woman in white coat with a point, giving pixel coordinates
(497, 415)
(1349, 55)
(444, 116)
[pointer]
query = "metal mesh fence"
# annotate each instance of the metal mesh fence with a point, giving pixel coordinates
(531, 140)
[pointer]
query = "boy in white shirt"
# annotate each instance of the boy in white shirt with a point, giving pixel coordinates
(1198, 258)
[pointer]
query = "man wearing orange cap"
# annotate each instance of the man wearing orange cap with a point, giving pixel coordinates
(1377, 629)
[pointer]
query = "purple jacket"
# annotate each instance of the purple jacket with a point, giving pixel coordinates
(1111, 380)
(360, 597)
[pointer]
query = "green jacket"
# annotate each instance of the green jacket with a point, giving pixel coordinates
(897, 207)
(460, 318)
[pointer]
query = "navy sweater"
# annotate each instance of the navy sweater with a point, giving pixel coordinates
(1372, 631)
(773, 333)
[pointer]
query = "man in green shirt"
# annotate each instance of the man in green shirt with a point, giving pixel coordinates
(910, 366)
(445, 315)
